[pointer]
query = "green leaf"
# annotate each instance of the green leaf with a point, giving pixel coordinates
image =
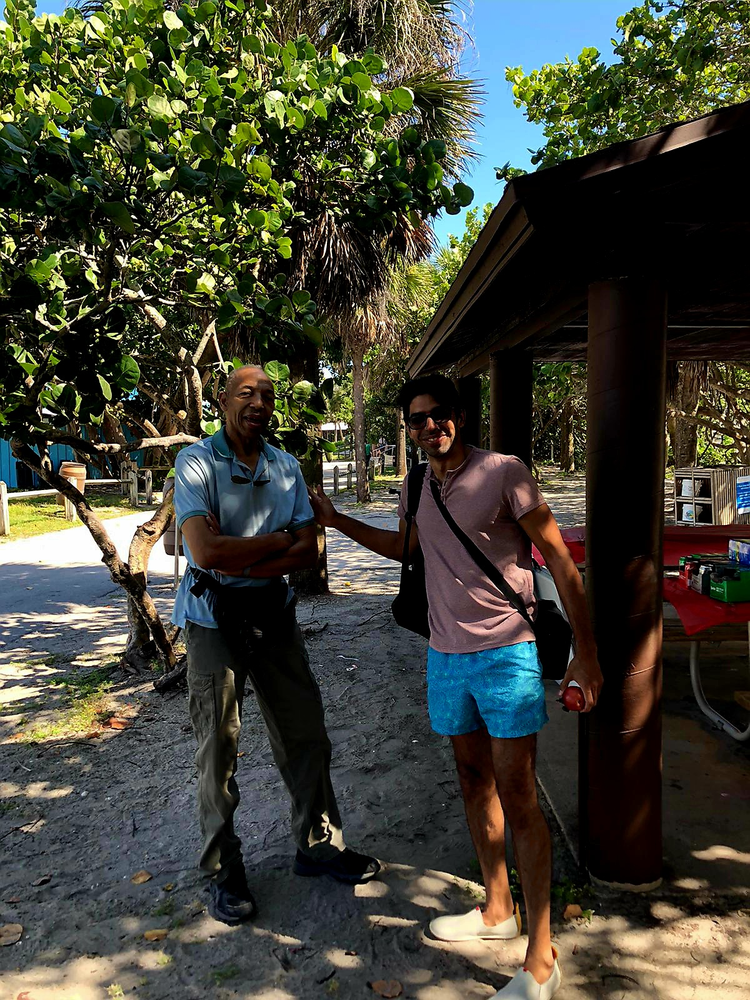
(103, 108)
(302, 390)
(105, 387)
(158, 105)
(259, 168)
(205, 11)
(312, 333)
(12, 134)
(206, 283)
(126, 139)
(232, 179)
(257, 219)
(60, 102)
(295, 117)
(276, 371)
(362, 81)
(320, 109)
(118, 213)
(172, 21)
(128, 374)
(301, 298)
(464, 194)
(403, 99)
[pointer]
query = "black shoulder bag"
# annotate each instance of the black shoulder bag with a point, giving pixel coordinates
(551, 629)
(410, 604)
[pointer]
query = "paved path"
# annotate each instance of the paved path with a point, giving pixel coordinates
(52, 582)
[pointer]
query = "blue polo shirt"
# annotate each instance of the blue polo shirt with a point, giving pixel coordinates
(210, 478)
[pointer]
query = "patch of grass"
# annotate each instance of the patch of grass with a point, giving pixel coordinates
(163, 959)
(568, 891)
(14, 707)
(82, 683)
(7, 805)
(115, 990)
(38, 515)
(220, 976)
(86, 700)
(165, 909)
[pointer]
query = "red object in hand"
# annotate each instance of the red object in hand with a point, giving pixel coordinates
(573, 700)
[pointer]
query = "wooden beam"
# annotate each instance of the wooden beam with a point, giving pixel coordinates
(620, 747)
(468, 289)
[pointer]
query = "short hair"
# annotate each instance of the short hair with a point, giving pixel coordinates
(233, 375)
(440, 387)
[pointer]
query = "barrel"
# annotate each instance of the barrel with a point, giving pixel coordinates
(75, 473)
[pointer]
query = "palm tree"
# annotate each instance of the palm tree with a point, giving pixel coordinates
(348, 272)
(383, 319)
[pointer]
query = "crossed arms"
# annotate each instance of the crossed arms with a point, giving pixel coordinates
(274, 554)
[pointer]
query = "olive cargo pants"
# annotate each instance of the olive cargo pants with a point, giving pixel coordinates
(289, 699)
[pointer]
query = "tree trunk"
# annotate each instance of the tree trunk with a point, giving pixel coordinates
(567, 442)
(687, 398)
(358, 393)
(400, 459)
(313, 581)
(119, 571)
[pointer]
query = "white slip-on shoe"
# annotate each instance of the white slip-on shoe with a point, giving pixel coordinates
(471, 927)
(523, 986)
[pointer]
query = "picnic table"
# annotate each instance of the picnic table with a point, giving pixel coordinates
(695, 617)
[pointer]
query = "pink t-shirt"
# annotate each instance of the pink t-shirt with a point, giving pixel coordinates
(486, 496)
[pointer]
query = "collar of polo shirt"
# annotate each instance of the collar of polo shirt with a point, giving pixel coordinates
(221, 446)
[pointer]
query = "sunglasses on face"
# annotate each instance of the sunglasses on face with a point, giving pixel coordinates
(439, 415)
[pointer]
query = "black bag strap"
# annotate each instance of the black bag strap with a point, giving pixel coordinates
(414, 482)
(488, 568)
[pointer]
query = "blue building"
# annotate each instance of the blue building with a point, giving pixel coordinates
(16, 475)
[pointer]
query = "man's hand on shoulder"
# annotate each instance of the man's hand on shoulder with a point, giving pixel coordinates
(324, 511)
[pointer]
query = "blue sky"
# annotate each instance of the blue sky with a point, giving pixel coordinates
(524, 33)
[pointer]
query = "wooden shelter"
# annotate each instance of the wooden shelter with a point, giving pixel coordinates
(624, 258)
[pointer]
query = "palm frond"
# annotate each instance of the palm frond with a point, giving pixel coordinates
(449, 109)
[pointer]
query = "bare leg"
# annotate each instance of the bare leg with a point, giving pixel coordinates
(515, 761)
(484, 814)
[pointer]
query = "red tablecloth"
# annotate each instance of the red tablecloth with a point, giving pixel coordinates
(696, 611)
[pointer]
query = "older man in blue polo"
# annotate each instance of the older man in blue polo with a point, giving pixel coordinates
(245, 516)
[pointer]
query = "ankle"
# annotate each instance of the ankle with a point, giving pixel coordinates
(540, 963)
(495, 913)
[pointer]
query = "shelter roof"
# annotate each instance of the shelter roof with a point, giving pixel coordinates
(673, 205)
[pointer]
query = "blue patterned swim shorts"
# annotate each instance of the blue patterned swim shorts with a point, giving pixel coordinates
(500, 688)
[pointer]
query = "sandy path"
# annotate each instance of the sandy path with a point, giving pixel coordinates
(90, 813)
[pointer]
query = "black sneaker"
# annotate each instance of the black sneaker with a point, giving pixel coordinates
(347, 866)
(231, 901)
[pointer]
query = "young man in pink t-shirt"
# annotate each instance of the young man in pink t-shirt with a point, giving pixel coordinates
(484, 679)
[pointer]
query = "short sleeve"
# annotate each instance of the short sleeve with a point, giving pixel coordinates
(303, 513)
(402, 500)
(520, 492)
(191, 487)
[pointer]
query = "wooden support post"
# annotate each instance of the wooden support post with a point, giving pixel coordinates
(470, 390)
(349, 476)
(335, 480)
(620, 745)
(4, 512)
(148, 477)
(382, 463)
(511, 388)
(133, 485)
(399, 459)
(70, 511)
(371, 470)
(177, 533)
